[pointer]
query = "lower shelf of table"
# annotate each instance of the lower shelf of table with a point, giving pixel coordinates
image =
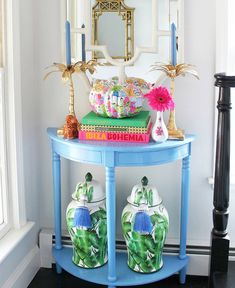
(125, 276)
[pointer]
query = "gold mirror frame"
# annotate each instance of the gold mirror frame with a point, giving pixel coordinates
(126, 13)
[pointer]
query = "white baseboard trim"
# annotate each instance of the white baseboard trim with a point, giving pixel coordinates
(25, 271)
(198, 265)
(199, 254)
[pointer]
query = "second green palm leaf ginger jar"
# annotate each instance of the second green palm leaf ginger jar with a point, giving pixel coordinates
(87, 224)
(145, 223)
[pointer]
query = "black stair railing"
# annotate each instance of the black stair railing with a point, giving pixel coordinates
(219, 235)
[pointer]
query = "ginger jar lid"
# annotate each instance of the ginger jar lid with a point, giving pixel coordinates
(144, 194)
(89, 191)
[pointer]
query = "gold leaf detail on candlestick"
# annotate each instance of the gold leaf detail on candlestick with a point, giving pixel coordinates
(174, 71)
(69, 131)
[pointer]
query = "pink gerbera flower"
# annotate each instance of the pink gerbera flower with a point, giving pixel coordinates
(160, 99)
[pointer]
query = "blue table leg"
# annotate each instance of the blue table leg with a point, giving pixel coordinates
(57, 203)
(184, 213)
(111, 222)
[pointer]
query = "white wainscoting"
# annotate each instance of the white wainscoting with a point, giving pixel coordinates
(24, 273)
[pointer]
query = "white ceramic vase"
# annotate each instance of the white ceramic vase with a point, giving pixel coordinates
(86, 222)
(159, 131)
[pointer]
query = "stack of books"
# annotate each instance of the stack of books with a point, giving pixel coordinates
(135, 129)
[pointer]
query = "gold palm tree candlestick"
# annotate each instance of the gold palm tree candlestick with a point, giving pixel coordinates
(173, 71)
(71, 126)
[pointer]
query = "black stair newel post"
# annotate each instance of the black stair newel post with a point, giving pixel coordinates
(219, 234)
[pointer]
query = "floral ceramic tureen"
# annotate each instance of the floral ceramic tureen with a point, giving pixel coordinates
(110, 99)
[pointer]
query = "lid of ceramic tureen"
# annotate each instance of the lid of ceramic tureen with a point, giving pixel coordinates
(89, 191)
(138, 83)
(144, 194)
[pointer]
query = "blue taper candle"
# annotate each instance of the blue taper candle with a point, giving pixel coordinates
(173, 44)
(83, 46)
(68, 43)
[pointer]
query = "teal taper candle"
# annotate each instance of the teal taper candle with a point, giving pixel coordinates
(173, 44)
(68, 43)
(83, 46)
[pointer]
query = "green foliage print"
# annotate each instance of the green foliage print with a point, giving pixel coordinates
(85, 189)
(144, 195)
(89, 246)
(145, 251)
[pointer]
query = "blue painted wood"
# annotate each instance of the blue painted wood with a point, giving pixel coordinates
(111, 222)
(83, 46)
(125, 154)
(182, 275)
(57, 202)
(184, 212)
(125, 276)
(111, 155)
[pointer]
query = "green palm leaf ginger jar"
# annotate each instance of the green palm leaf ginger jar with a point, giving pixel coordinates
(87, 224)
(145, 224)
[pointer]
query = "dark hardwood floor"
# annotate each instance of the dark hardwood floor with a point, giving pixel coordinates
(225, 280)
(47, 278)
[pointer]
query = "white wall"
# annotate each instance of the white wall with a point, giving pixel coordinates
(195, 113)
(30, 110)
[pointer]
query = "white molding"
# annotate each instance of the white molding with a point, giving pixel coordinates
(45, 244)
(138, 50)
(198, 265)
(12, 239)
(14, 114)
(63, 13)
(181, 32)
(221, 35)
(5, 226)
(24, 273)
(221, 59)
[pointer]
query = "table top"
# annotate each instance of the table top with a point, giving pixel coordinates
(120, 153)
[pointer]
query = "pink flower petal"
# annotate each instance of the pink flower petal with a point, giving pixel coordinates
(160, 99)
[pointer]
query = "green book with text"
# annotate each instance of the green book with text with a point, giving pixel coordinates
(140, 120)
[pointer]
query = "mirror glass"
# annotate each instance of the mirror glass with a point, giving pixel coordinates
(112, 24)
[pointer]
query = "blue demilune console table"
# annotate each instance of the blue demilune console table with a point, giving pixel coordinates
(111, 155)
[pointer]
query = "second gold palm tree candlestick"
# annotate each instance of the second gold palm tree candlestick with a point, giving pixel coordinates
(173, 71)
(173, 131)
